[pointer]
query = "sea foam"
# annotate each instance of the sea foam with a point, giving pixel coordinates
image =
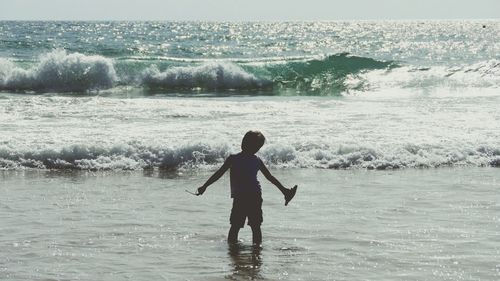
(211, 75)
(61, 72)
(484, 74)
(127, 156)
(137, 156)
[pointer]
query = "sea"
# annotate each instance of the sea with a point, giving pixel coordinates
(390, 129)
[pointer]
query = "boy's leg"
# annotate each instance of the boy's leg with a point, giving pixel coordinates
(256, 234)
(255, 220)
(237, 220)
(232, 237)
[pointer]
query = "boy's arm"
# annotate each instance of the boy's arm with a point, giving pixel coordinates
(215, 176)
(271, 178)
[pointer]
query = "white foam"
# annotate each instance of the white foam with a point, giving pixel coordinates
(61, 72)
(132, 156)
(366, 131)
(484, 74)
(191, 156)
(211, 75)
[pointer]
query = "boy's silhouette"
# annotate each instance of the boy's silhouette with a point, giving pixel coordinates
(245, 188)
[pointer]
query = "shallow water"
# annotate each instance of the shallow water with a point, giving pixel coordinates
(428, 224)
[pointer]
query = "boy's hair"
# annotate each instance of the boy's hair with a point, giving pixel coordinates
(252, 141)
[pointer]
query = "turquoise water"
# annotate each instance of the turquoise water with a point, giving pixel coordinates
(312, 58)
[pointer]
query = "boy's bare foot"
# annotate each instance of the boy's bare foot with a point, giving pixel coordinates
(290, 193)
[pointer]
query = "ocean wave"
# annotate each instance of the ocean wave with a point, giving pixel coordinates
(336, 74)
(329, 75)
(485, 74)
(137, 156)
(59, 71)
(311, 76)
(214, 75)
(130, 156)
(62, 72)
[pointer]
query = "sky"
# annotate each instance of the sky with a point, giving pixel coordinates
(247, 10)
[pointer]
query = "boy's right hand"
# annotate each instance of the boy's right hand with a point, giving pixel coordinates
(201, 190)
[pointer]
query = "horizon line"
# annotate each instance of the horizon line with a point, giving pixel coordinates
(254, 20)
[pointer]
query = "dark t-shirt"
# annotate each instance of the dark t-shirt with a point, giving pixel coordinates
(243, 174)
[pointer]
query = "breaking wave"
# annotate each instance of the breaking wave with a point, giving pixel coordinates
(484, 74)
(324, 76)
(137, 156)
(62, 72)
(59, 71)
(207, 76)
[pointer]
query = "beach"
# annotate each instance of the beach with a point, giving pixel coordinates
(389, 128)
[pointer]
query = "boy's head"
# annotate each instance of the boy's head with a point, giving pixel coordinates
(252, 142)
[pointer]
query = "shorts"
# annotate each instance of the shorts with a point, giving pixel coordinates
(247, 206)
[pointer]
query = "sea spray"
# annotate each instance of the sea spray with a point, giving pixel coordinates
(59, 71)
(215, 75)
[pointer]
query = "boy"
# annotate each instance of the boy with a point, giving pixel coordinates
(245, 188)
